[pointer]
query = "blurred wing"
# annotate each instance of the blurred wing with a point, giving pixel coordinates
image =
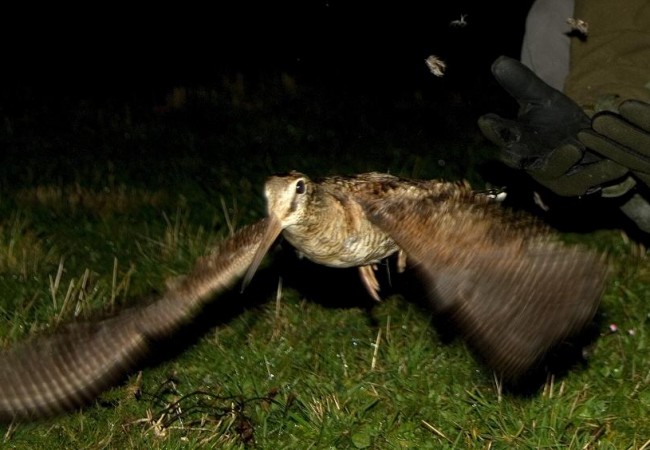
(513, 291)
(69, 369)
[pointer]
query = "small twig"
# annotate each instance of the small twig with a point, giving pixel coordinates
(430, 427)
(54, 286)
(68, 294)
(388, 329)
(376, 351)
(498, 384)
(113, 284)
(278, 298)
(268, 368)
(11, 429)
(231, 228)
(82, 298)
(548, 387)
(577, 398)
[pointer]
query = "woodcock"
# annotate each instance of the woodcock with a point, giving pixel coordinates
(512, 290)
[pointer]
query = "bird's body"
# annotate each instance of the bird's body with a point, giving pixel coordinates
(333, 229)
(504, 279)
(329, 223)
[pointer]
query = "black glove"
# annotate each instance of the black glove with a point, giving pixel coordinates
(544, 138)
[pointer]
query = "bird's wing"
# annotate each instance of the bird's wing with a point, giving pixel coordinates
(512, 290)
(64, 371)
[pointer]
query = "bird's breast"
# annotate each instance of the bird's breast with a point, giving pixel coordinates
(340, 237)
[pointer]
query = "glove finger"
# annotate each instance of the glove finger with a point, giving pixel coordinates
(521, 82)
(500, 131)
(507, 134)
(584, 179)
(554, 115)
(557, 162)
(619, 188)
(637, 112)
(623, 132)
(611, 149)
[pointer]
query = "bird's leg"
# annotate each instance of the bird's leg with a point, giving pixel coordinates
(401, 261)
(369, 280)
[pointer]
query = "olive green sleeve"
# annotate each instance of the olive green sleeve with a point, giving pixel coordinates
(612, 62)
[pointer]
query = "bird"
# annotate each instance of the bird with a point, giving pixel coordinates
(503, 279)
(510, 286)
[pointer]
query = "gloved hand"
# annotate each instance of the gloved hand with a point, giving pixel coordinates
(623, 137)
(543, 140)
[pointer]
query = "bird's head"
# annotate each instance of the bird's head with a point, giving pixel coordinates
(286, 200)
(286, 197)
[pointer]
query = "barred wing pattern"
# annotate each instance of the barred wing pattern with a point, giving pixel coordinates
(511, 289)
(62, 372)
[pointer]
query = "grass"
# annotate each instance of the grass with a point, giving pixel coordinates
(297, 366)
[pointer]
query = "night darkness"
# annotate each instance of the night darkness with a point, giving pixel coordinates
(366, 94)
(359, 69)
(109, 50)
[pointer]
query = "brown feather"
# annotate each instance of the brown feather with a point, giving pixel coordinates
(512, 289)
(62, 372)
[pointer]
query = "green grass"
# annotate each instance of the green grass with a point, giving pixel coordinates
(80, 236)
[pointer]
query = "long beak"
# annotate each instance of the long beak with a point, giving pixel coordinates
(273, 230)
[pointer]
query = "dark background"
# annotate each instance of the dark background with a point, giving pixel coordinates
(318, 86)
(111, 49)
(87, 93)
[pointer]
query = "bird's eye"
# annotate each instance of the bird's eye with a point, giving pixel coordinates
(300, 187)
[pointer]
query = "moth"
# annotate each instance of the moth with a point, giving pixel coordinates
(436, 65)
(578, 25)
(459, 23)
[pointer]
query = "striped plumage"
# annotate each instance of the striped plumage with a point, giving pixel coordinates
(67, 370)
(510, 287)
